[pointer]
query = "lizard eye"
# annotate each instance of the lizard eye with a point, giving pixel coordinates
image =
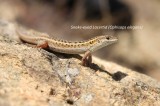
(107, 37)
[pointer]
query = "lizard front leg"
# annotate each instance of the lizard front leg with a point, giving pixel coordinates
(87, 58)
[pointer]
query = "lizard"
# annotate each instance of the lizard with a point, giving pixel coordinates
(43, 40)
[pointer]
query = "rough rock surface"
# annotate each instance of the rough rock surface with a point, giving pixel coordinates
(36, 77)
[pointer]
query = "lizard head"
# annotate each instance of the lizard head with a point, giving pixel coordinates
(107, 39)
(103, 41)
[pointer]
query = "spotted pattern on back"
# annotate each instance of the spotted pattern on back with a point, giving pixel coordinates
(73, 44)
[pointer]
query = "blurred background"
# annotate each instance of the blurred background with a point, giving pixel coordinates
(138, 49)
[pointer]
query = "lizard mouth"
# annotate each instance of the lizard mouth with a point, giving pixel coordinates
(114, 39)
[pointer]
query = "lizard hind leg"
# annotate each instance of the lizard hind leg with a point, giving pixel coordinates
(42, 44)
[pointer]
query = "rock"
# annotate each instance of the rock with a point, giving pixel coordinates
(32, 76)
